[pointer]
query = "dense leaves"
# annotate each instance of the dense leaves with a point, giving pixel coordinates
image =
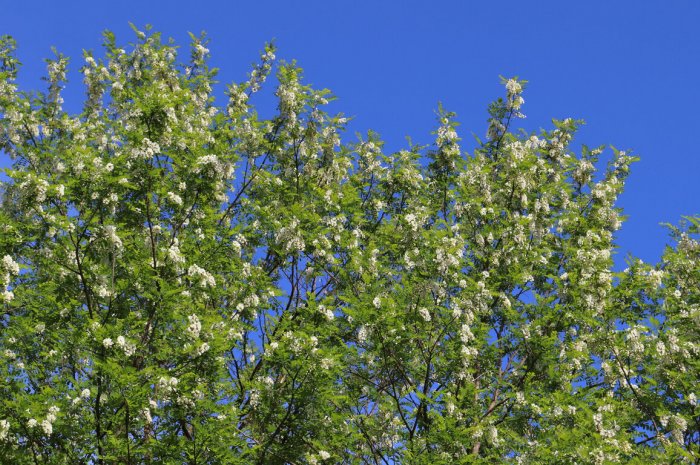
(188, 283)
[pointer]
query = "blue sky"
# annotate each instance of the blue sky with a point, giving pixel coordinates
(629, 68)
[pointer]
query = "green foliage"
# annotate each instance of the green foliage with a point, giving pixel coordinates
(187, 283)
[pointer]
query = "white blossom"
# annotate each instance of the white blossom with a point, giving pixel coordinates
(194, 327)
(424, 313)
(174, 198)
(206, 278)
(4, 429)
(47, 427)
(202, 349)
(9, 265)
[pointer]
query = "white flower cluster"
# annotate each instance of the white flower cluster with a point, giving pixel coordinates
(8, 268)
(289, 237)
(268, 381)
(261, 71)
(213, 167)
(110, 232)
(102, 291)
(147, 150)
(635, 341)
(271, 347)
(583, 172)
(322, 247)
(413, 222)
(100, 167)
(110, 200)
(173, 253)
(166, 386)
(199, 51)
(446, 133)
(146, 415)
(60, 190)
(362, 334)
(409, 256)
(369, 153)
(4, 429)
(206, 278)
(237, 99)
(238, 243)
(57, 69)
(466, 336)
(424, 313)
(513, 87)
(129, 348)
(313, 459)
(251, 301)
(656, 277)
(447, 143)
(46, 423)
(677, 424)
(515, 100)
(254, 399)
(174, 198)
(326, 312)
(660, 348)
(447, 257)
(288, 102)
(194, 327)
(493, 436)
(598, 423)
(201, 349)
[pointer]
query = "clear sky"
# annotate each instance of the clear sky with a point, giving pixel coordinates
(631, 69)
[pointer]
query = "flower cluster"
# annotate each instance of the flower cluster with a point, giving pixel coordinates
(205, 278)
(8, 268)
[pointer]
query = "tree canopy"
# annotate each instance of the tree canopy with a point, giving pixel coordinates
(183, 282)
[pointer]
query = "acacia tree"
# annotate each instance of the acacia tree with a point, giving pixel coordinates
(187, 283)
